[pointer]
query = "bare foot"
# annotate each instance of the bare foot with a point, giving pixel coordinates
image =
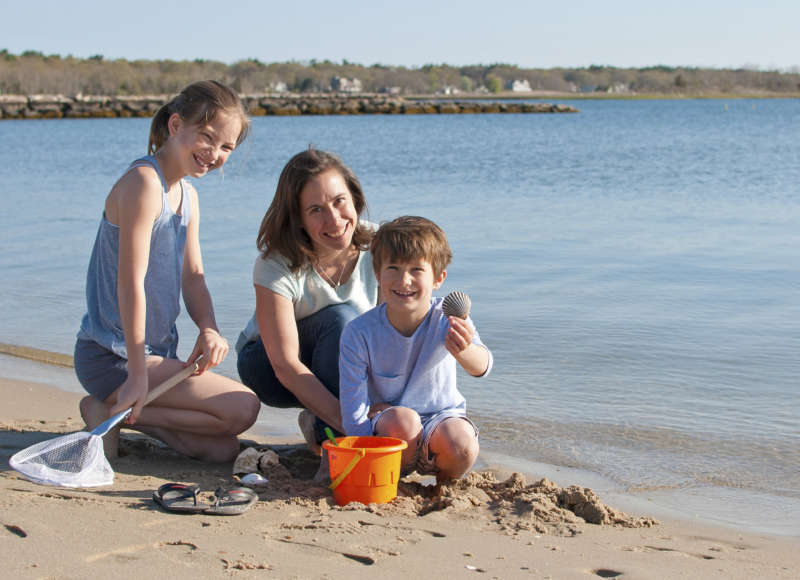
(323, 475)
(94, 412)
(306, 421)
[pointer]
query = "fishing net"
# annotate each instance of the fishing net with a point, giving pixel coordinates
(74, 460)
(78, 459)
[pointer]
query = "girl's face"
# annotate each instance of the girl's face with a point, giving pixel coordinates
(327, 213)
(203, 148)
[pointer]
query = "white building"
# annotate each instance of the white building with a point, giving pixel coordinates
(345, 85)
(520, 86)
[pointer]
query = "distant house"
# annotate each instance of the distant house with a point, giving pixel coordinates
(618, 88)
(390, 90)
(345, 85)
(449, 90)
(278, 87)
(519, 86)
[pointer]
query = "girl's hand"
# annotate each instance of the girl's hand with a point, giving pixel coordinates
(132, 393)
(459, 337)
(212, 346)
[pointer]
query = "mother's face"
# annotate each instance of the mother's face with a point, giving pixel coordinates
(327, 212)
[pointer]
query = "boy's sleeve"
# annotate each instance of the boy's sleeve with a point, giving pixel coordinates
(476, 339)
(353, 393)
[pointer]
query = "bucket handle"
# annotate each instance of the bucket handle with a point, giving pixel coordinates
(335, 483)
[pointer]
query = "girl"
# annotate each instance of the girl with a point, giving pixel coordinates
(146, 254)
(313, 276)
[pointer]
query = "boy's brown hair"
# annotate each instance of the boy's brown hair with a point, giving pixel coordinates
(410, 238)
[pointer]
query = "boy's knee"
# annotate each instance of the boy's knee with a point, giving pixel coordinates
(468, 450)
(457, 459)
(462, 448)
(400, 422)
(455, 438)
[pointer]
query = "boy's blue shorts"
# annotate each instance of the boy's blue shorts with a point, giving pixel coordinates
(425, 463)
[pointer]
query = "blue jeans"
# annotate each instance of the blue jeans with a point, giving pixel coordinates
(319, 350)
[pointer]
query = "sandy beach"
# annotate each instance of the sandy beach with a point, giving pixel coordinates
(491, 524)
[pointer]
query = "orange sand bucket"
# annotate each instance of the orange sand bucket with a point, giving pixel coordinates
(364, 469)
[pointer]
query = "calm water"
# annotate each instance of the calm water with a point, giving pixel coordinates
(633, 267)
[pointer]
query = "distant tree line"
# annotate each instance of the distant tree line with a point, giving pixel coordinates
(33, 72)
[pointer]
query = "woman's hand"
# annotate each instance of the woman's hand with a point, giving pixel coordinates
(459, 337)
(212, 346)
(132, 393)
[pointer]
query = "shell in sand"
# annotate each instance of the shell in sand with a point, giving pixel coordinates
(253, 460)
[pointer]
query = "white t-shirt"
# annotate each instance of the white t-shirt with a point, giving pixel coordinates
(309, 292)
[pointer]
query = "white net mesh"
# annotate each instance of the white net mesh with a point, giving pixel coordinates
(74, 460)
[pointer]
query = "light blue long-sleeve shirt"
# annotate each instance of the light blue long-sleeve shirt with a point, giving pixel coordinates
(377, 364)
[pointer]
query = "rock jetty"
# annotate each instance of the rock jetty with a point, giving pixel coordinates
(60, 106)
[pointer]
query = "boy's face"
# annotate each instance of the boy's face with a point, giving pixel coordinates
(407, 287)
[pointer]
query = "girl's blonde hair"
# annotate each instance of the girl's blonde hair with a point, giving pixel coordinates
(197, 104)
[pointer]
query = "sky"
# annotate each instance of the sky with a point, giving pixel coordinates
(758, 34)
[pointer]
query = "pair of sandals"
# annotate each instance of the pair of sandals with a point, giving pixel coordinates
(182, 498)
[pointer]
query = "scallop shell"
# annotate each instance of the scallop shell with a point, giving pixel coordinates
(456, 304)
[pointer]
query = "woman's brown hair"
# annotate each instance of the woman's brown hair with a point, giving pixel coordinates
(282, 230)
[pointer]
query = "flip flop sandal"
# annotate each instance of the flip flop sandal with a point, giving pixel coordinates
(232, 501)
(180, 498)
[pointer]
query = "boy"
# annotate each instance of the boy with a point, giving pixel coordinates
(397, 361)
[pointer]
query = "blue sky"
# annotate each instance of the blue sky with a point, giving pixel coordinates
(536, 34)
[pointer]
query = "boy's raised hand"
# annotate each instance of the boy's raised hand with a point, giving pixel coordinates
(473, 358)
(459, 337)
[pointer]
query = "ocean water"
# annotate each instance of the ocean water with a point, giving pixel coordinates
(633, 267)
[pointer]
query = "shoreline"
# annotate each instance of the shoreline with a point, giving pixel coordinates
(495, 523)
(58, 106)
(38, 366)
(260, 104)
(599, 96)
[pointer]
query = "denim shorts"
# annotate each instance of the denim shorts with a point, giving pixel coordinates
(100, 371)
(425, 461)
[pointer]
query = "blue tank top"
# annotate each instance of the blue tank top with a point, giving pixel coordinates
(162, 282)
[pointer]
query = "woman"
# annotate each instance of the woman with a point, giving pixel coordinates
(313, 275)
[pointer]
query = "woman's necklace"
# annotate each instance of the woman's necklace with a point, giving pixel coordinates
(321, 270)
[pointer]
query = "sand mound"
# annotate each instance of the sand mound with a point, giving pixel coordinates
(512, 504)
